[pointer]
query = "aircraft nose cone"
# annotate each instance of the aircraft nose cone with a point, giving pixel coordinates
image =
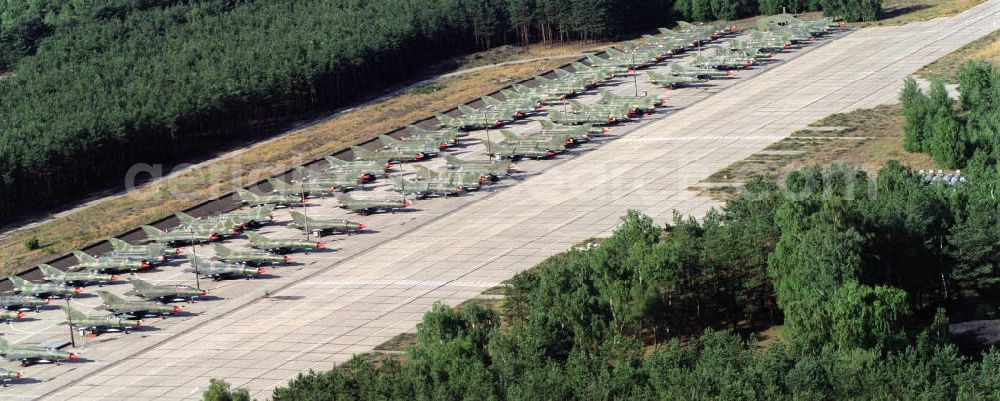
(138, 323)
(114, 278)
(144, 265)
(20, 374)
(47, 301)
(261, 270)
(204, 292)
(320, 245)
(73, 356)
(286, 259)
(78, 290)
(178, 309)
(20, 315)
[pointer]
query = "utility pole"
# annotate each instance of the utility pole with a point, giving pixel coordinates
(194, 257)
(635, 74)
(72, 336)
(489, 152)
(305, 215)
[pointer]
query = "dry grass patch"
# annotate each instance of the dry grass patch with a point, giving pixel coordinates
(946, 68)
(260, 161)
(866, 138)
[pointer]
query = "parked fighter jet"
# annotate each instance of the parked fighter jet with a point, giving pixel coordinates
(76, 279)
(365, 170)
(444, 137)
(135, 309)
(301, 189)
(636, 105)
(109, 264)
(368, 206)
(504, 151)
(678, 70)
(321, 227)
(584, 130)
(164, 293)
(520, 106)
(589, 115)
(8, 316)
(512, 139)
(176, 238)
(253, 217)
(22, 302)
(672, 81)
(250, 258)
(33, 354)
(220, 226)
(386, 156)
(452, 180)
(252, 199)
(150, 253)
(423, 189)
(42, 290)
(97, 324)
(492, 168)
(9, 375)
(222, 270)
(467, 123)
(424, 147)
(281, 245)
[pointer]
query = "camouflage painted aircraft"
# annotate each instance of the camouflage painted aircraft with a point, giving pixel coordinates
(135, 309)
(109, 264)
(423, 189)
(336, 181)
(525, 94)
(585, 130)
(672, 44)
(164, 293)
(386, 156)
(672, 81)
(42, 290)
(678, 70)
(33, 354)
(321, 227)
(365, 170)
(465, 123)
(636, 105)
(452, 180)
(368, 206)
(251, 199)
(504, 151)
(492, 168)
(75, 279)
(251, 258)
(253, 217)
(545, 95)
(221, 226)
(628, 64)
(590, 115)
(176, 238)
(521, 106)
(443, 137)
(222, 270)
(302, 189)
(98, 324)
(10, 316)
(512, 139)
(9, 375)
(150, 253)
(570, 86)
(426, 148)
(22, 302)
(281, 245)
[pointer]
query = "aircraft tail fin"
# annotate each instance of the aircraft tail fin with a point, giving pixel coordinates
(108, 298)
(452, 160)
(424, 172)
(221, 250)
(490, 101)
(139, 283)
(245, 195)
(4, 344)
(509, 136)
(388, 140)
(547, 124)
(361, 153)
(48, 271)
(73, 313)
(563, 73)
(466, 109)
(278, 185)
(254, 237)
(184, 217)
(299, 218)
(17, 281)
(417, 130)
(333, 161)
(83, 257)
(118, 244)
(606, 94)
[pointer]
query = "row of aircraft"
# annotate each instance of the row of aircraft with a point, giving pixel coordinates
(576, 124)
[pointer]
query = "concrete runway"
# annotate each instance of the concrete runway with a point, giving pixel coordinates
(328, 306)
